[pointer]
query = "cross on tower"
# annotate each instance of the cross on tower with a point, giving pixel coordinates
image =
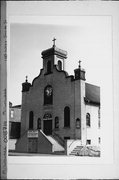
(54, 41)
(79, 63)
(26, 78)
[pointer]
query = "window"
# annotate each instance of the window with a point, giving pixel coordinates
(39, 123)
(99, 140)
(98, 123)
(59, 65)
(31, 120)
(88, 141)
(49, 67)
(12, 113)
(48, 95)
(88, 120)
(56, 122)
(98, 118)
(99, 113)
(78, 123)
(66, 116)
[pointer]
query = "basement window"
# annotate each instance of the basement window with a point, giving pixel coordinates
(88, 141)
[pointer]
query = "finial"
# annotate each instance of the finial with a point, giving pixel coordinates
(54, 42)
(79, 63)
(26, 78)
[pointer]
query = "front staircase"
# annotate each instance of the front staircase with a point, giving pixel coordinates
(48, 141)
(75, 151)
(86, 151)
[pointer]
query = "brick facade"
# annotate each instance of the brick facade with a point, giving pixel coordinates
(67, 91)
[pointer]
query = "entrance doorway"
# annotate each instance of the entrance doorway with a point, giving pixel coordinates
(47, 127)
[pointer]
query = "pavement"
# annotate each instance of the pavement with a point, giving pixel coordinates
(33, 154)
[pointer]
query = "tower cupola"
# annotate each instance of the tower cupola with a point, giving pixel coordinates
(79, 73)
(53, 56)
(26, 85)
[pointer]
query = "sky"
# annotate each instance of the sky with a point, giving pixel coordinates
(85, 38)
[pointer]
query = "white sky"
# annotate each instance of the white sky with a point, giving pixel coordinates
(85, 38)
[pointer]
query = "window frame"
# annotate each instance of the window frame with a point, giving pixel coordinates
(31, 119)
(48, 100)
(49, 65)
(88, 142)
(39, 123)
(88, 120)
(78, 123)
(12, 113)
(56, 122)
(67, 116)
(59, 65)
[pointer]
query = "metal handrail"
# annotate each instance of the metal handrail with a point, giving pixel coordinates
(62, 141)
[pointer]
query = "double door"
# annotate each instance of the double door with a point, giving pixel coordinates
(47, 127)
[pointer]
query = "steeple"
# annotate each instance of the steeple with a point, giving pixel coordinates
(26, 79)
(54, 42)
(79, 72)
(54, 51)
(53, 56)
(79, 64)
(26, 85)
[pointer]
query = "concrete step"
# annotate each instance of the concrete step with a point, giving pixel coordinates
(86, 151)
(76, 150)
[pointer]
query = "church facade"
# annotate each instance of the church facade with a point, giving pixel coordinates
(57, 108)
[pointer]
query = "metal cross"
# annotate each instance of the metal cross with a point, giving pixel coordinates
(26, 78)
(54, 41)
(79, 63)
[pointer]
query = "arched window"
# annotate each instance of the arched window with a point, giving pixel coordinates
(78, 123)
(49, 67)
(56, 122)
(59, 65)
(66, 116)
(88, 123)
(48, 95)
(39, 123)
(31, 120)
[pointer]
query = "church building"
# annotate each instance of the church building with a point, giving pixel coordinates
(58, 110)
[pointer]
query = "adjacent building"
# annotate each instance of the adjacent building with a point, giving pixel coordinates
(14, 124)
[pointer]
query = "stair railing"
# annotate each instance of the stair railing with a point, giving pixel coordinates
(61, 141)
(72, 142)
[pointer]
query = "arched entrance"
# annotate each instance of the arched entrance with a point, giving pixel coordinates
(47, 124)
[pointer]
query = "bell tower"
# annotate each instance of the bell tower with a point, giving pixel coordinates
(53, 56)
(79, 73)
(25, 90)
(79, 103)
